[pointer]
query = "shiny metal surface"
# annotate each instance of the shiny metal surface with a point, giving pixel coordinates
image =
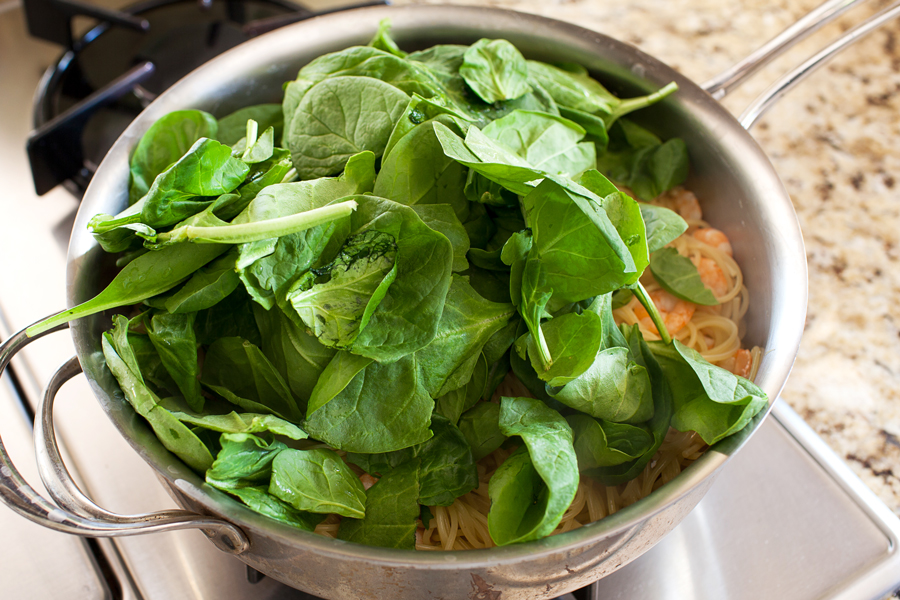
(812, 495)
(767, 231)
(30, 553)
(76, 514)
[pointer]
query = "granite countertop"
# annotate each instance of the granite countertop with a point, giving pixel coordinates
(834, 141)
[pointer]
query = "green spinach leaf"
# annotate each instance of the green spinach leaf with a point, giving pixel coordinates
(677, 275)
(383, 407)
(317, 481)
(392, 508)
(340, 117)
(495, 70)
(164, 143)
(546, 142)
(480, 425)
(707, 399)
(467, 323)
(534, 487)
(239, 372)
(174, 339)
(337, 300)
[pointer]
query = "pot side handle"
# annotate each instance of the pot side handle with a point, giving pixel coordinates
(781, 87)
(76, 513)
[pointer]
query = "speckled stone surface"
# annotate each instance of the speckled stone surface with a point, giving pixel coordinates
(835, 141)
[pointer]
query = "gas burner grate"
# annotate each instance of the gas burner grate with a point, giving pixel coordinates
(106, 78)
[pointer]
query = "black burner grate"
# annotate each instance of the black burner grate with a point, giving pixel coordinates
(107, 77)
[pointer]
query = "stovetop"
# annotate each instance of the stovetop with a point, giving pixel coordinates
(786, 518)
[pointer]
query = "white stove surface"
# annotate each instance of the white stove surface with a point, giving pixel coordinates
(786, 519)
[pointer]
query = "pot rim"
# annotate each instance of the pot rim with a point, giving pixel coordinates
(332, 30)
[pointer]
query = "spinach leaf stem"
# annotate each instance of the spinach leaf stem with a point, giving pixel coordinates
(657, 319)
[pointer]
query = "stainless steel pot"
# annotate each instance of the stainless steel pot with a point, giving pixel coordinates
(740, 193)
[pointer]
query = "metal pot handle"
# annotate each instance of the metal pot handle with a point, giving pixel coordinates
(76, 513)
(781, 87)
(734, 76)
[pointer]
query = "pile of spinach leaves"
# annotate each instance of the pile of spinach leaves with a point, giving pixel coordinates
(357, 269)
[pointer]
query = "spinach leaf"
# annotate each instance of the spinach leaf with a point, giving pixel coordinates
(173, 434)
(392, 508)
(297, 355)
(641, 161)
(234, 126)
(573, 341)
(384, 407)
(658, 425)
(358, 61)
(662, 225)
(383, 40)
(446, 469)
(254, 148)
(337, 300)
(415, 170)
(174, 339)
(707, 399)
(495, 70)
(245, 460)
(454, 403)
(207, 169)
(546, 142)
(207, 287)
(615, 387)
(153, 372)
(481, 427)
(594, 126)
(625, 215)
(677, 275)
(577, 90)
(269, 268)
(336, 376)
(261, 501)
(232, 317)
(317, 481)
(146, 276)
(232, 422)
(572, 90)
(534, 487)
(580, 250)
(164, 143)
(600, 443)
(442, 219)
(340, 117)
(407, 318)
(467, 323)
(239, 372)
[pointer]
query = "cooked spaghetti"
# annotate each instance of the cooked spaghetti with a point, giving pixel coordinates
(713, 331)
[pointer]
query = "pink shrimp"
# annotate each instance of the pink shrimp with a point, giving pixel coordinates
(675, 312)
(683, 202)
(739, 364)
(712, 276)
(713, 237)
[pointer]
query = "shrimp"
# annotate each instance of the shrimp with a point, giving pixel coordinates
(367, 480)
(715, 238)
(683, 202)
(712, 276)
(739, 364)
(675, 312)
